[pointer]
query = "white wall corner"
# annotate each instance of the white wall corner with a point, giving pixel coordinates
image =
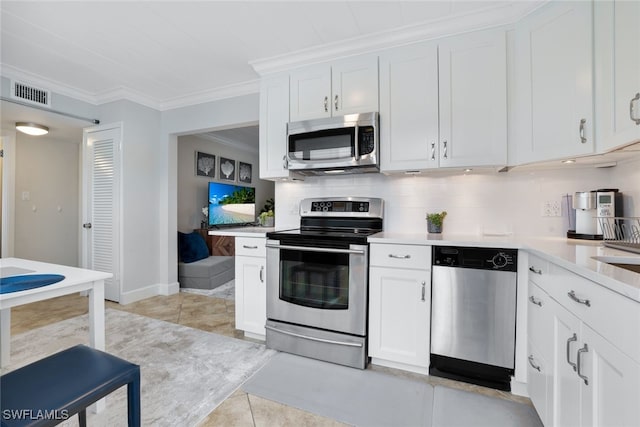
(168, 288)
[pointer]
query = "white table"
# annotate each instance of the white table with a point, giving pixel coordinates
(76, 280)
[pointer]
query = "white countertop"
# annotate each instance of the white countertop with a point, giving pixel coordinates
(242, 231)
(574, 255)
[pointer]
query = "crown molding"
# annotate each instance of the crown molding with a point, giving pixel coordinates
(492, 16)
(126, 93)
(228, 142)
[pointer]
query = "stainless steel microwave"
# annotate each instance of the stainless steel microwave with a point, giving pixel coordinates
(334, 145)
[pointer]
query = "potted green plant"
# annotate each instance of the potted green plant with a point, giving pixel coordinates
(266, 218)
(434, 221)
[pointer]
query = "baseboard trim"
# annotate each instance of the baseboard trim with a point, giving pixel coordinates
(519, 388)
(138, 294)
(168, 288)
(399, 365)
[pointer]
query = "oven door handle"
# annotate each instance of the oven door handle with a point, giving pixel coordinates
(311, 249)
(306, 337)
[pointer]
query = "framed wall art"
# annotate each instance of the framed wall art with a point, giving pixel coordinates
(205, 164)
(244, 172)
(227, 169)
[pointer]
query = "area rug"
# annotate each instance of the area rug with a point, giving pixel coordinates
(372, 398)
(226, 291)
(185, 373)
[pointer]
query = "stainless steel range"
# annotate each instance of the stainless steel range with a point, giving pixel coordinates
(318, 280)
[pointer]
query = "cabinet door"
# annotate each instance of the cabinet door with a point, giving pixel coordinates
(274, 115)
(473, 100)
(354, 84)
(611, 392)
(251, 297)
(554, 72)
(310, 93)
(399, 315)
(566, 383)
(617, 73)
(409, 108)
(540, 321)
(540, 382)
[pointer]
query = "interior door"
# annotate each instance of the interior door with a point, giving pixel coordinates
(101, 204)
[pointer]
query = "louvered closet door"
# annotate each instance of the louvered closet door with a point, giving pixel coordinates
(101, 224)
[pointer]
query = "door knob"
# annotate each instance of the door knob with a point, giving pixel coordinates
(86, 225)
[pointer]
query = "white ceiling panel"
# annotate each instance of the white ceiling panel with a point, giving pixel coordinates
(158, 51)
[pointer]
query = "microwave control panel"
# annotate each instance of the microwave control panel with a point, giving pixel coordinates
(366, 140)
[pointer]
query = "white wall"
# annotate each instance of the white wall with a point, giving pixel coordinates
(192, 189)
(47, 225)
(476, 203)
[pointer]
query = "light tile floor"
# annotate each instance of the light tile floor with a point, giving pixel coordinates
(213, 315)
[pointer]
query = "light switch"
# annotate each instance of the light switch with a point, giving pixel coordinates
(26, 195)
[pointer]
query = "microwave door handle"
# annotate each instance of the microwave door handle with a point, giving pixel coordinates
(356, 148)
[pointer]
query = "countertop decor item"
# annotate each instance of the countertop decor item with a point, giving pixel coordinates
(266, 219)
(434, 221)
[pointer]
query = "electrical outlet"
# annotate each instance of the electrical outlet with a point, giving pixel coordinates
(551, 208)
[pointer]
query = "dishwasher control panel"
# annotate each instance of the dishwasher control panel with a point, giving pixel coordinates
(478, 258)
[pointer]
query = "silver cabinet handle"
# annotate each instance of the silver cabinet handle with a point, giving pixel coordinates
(335, 102)
(433, 151)
(573, 296)
(584, 349)
(249, 247)
(535, 301)
(444, 154)
(399, 256)
(285, 162)
(318, 249)
(569, 341)
(326, 104)
(631, 115)
(306, 337)
(533, 270)
(424, 286)
(262, 273)
(533, 365)
(583, 138)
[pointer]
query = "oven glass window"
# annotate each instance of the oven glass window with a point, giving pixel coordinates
(315, 279)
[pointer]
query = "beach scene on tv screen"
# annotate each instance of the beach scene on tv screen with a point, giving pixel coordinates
(231, 204)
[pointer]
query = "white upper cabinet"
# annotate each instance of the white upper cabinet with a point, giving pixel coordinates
(344, 87)
(444, 104)
(409, 136)
(553, 72)
(274, 115)
(617, 72)
(473, 99)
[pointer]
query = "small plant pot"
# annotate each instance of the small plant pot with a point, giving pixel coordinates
(433, 228)
(268, 222)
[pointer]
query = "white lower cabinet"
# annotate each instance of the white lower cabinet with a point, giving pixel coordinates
(576, 377)
(250, 288)
(400, 306)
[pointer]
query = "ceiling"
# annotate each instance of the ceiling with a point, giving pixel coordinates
(165, 54)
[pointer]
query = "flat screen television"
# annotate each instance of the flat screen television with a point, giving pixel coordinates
(231, 204)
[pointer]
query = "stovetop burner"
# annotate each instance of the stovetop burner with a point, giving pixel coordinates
(347, 219)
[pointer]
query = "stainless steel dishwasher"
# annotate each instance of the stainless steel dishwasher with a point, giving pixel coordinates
(473, 315)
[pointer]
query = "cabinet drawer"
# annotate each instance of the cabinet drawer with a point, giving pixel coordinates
(538, 270)
(401, 256)
(609, 314)
(540, 320)
(251, 246)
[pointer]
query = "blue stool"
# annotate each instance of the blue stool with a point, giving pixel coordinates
(52, 389)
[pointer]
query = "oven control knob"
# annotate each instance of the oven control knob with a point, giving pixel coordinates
(500, 260)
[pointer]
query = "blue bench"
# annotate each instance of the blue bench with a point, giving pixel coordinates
(52, 389)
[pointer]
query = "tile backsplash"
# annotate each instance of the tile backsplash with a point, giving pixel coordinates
(476, 203)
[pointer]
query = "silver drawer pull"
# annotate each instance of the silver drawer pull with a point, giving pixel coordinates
(584, 349)
(249, 247)
(533, 365)
(306, 337)
(583, 139)
(573, 296)
(569, 341)
(533, 270)
(262, 274)
(424, 290)
(535, 301)
(399, 256)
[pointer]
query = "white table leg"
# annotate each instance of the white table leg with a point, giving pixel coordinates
(5, 336)
(96, 328)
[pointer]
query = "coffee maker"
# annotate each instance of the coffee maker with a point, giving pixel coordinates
(592, 208)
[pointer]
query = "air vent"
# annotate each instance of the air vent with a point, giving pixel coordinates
(30, 94)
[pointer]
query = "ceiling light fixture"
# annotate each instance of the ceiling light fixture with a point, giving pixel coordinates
(32, 128)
